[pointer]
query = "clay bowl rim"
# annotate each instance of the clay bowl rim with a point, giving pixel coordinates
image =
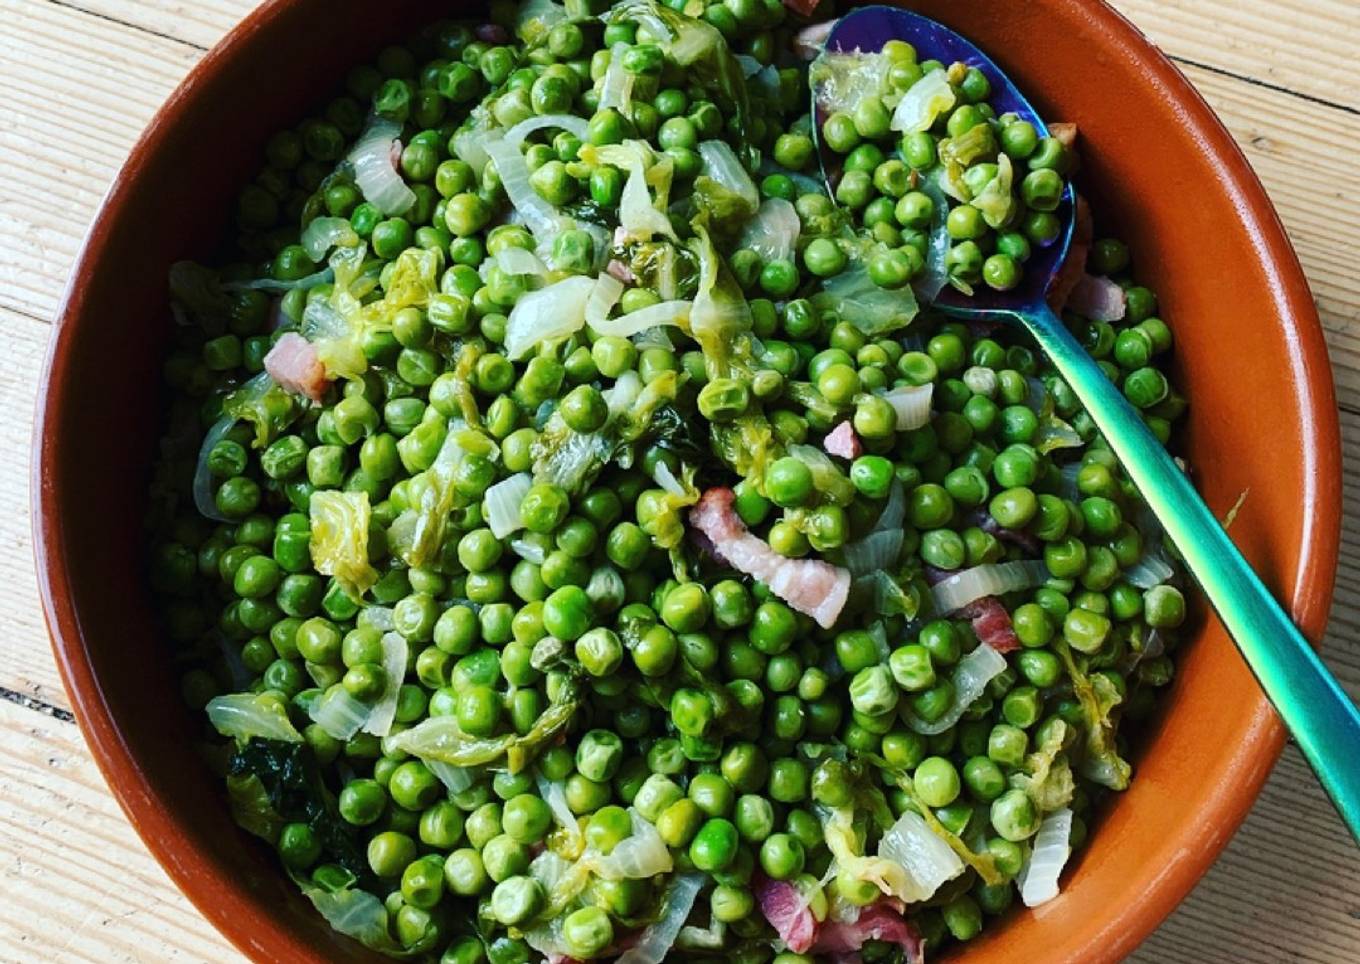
(225, 903)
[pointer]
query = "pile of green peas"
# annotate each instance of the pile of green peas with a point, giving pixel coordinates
(883, 174)
(702, 696)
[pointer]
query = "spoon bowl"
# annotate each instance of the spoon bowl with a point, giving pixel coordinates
(1323, 720)
(866, 30)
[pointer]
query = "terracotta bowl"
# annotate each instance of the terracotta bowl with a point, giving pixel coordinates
(1161, 170)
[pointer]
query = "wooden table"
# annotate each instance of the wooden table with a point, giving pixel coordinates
(78, 81)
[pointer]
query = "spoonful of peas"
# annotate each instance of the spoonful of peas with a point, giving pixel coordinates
(1313, 706)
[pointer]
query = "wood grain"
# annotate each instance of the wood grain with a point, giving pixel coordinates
(82, 77)
(75, 882)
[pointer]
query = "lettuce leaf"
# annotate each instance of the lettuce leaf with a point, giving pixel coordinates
(1098, 697)
(417, 535)
(262, 403)
(1048, 779)
(339, 543)
(359, 914)
(250, 715)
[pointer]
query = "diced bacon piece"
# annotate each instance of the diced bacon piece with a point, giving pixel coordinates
(1099, 299)
(1064, 134)
(788, 913)
(1074, 267)
(843, 441)
(618, 270)
(809, 41)
(294, 364)
(992, 624)
(810, 586)
(877, 922)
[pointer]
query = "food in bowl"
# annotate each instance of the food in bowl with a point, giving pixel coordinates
(592, 543)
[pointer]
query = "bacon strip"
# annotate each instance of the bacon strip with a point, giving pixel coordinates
(810, 586)
(842, 441)
(1074, 267)
(1098, 298)
(992, 624)
(787, 912)
(877, 922)
(294, 364)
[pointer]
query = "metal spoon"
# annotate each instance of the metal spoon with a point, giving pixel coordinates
(1317, 712)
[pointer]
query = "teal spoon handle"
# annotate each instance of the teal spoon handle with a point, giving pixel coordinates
(1316, 710)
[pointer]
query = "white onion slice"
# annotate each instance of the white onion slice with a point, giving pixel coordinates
(518, 261)
(384, 711)
(970, 678)
(1038, 878)
(960, 589)
(528, 551)
(503, 501)
(567, 122)
(603, 297)
(616, 86)
(640, 855)
(555, 796)
(326, 233)
(379, 182)
(721, 164)
(539, 216)
(204, 499)
(912, 405)
(924, 101)
(338, 714)
(658, 938)
(636, 322)
(773, 232)
(926, 858)
(455, 779)
(664, 477)
(546, 315)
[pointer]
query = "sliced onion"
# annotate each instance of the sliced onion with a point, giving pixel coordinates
(878, 550)
(555, 796)
(656, 940)
(653, 338)
(246, 715)
(503, 501)
(621, 397)
(539, 216)
(376, 617)
(548, 314)
(970, 679)
(616, 87)
(384, 711)
(603, 297)
(922, 853)
(721, 164)
(957, 591)
(773, 232)
(204, 499)
(378, 180)
(455, 779)
(518, 261)
(639, 856)
(912, 405)
(638, 216)
(326, 233)
(1038, 878)
(664, 477)
(635, 322)
(1151, 569)
(923, 102)
(323, 277)
(530, 552)
(935, 275)
(339, 715)
(567, 122)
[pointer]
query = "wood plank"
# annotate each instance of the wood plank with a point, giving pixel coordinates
(58, 160)
(1306, 46)
(198, 22)
(78, 885)
(26, 664)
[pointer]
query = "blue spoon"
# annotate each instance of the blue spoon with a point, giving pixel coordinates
(1317, 712)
